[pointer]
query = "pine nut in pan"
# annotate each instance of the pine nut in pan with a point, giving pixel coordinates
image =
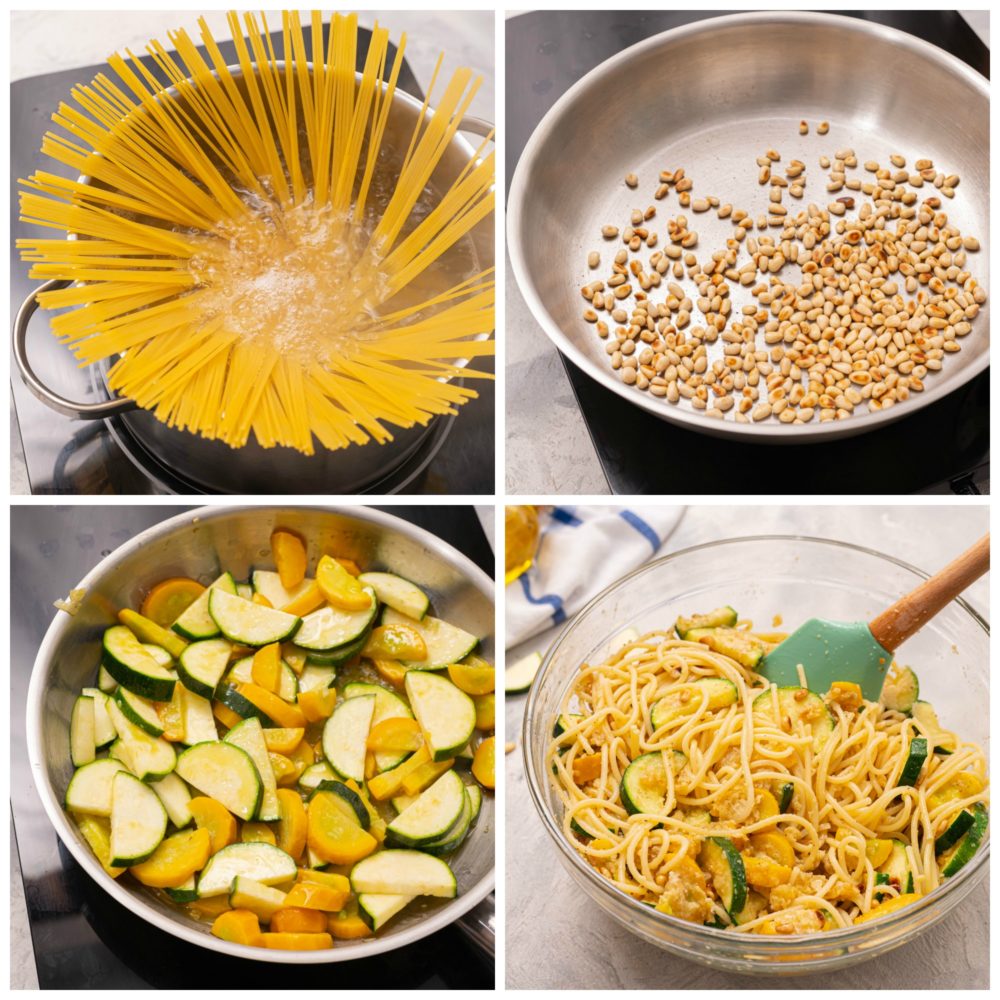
(718, 142)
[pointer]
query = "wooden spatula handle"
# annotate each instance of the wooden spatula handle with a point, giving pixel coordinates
(896, 624)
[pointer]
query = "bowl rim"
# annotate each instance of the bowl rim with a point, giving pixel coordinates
(844, 937)
(521, 184)
(134, 900)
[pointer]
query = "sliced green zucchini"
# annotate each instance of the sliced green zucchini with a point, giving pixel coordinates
(248, 894)
(248, 735)
(202, 665)
(314, 861)
(250, 624)
(452, 840)
(475, 794)
(184, 893)
(147, 757)
(82, 743)
(396, 593)
(404, 873)
(196, 622)
(105, 681)
(724, 617)
(315, 774)
(783, 791)
(401, 802)
(954, 832)
(345, 736)
(243, 707)
(261, 862)
(446, 714)
(159, 654)
(900, 690)
(176, 798)
(755, 905)
(644, 783)
(139, 711)
(518, 676)
(314, 676)
(339, 656)
(685, 699)
(915, 757)
(104, 728)
(746, 649)
(89, 790)
(388, 705)
(445, 643)
(897, 867)
(268, 584)
(564, 723)
(720, 859)
(376, 909)
(432, 816)
(927, 722)
(330, 628)
(224, 772)
(957, 857)
(138, 820)
(288, 684)
(133, 668)
(797, 711)
(245, 590)
(199, 722)
(348, 796)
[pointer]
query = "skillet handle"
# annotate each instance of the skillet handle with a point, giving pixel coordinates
(81, 411)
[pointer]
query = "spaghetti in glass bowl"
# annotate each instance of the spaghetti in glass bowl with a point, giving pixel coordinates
(763, 577)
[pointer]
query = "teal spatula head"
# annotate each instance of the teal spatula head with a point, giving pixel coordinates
(829, 651)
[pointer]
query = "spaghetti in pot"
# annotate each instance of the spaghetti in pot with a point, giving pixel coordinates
(695, 786)
(259, 251)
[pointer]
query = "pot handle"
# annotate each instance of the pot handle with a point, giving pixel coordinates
(81, 411)
(477, 126)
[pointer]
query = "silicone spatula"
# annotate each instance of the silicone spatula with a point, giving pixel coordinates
(862, 651)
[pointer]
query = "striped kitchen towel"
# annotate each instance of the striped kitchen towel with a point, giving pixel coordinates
(581, 551)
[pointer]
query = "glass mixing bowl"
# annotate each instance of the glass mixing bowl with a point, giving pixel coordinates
(761, 577)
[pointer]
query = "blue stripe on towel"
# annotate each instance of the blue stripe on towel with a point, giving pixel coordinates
(630, 517)
(558, 613)
(565, 515)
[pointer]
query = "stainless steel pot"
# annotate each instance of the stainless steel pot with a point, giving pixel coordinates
(711, 97)
(199, 544)
(215, 467)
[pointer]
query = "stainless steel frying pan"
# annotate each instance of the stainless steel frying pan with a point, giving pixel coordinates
(711, 97)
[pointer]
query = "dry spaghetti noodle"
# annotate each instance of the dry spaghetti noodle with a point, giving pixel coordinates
(254, 250)
(692, 785)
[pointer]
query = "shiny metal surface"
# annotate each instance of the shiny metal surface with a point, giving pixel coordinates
(198, 544)
(213, 466)
(710, 97)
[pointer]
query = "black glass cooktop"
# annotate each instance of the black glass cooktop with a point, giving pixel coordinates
(83, 939)
(943, 448)
(65, 456)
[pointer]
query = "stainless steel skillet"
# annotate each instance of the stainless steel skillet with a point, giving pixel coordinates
(711, 97)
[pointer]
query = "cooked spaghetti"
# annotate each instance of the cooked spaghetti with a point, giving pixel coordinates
(694, 786)
(257, 246)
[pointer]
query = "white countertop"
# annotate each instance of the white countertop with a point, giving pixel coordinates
(557, 938)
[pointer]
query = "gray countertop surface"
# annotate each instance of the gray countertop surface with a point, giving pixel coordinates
(556, 938)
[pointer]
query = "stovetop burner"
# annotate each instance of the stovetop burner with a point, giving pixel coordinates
(65, 456)
(943, 448)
